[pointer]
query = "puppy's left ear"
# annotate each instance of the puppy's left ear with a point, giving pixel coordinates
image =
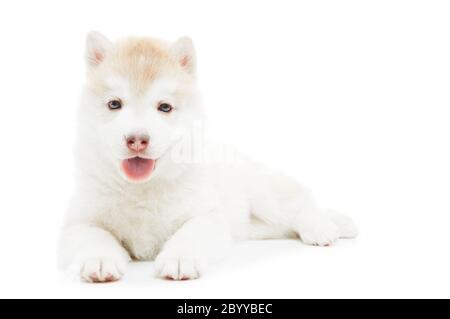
(184, 51)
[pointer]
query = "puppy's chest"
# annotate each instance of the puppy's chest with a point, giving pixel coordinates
(142, 227)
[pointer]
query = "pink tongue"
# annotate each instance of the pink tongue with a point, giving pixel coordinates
(138, 168)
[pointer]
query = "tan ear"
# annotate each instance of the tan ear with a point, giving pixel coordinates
(97, 46)
(184, 51)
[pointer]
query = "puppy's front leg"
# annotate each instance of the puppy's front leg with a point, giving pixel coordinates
(199, 241)
(94, 252)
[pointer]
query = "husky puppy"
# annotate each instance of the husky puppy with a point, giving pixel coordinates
(138, 197)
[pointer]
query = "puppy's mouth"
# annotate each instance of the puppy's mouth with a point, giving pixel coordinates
(138, 168)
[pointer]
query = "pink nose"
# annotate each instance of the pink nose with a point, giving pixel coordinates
(137, 143)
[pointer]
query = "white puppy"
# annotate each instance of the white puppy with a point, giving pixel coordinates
(140, 197)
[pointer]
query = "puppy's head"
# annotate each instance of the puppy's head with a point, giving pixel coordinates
(140, 100)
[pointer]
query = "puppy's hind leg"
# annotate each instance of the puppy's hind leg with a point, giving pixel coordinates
(323, 227)
(290, 207)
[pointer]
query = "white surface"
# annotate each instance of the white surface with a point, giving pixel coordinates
(350, 97)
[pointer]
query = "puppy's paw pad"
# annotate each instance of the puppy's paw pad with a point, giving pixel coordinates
(325, 235)
(318, 239)
(178, 268)
(98, 270)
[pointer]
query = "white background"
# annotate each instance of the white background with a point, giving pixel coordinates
(350, 97)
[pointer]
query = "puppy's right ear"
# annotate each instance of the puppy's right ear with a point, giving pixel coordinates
(97, 46)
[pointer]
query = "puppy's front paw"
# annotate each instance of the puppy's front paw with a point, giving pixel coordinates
(178, 267)
(321, 233)
(97, 270)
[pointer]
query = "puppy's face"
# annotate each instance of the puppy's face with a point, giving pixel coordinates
(141, 100)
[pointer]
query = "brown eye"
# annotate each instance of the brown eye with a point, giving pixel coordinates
(115, 104)
(165, 107)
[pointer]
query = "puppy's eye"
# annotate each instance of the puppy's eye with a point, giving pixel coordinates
(165, 107)
(115, 104)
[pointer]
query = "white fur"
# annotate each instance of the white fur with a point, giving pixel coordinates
(188, 214)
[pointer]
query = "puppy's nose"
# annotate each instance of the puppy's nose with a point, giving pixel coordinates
(137, 143)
